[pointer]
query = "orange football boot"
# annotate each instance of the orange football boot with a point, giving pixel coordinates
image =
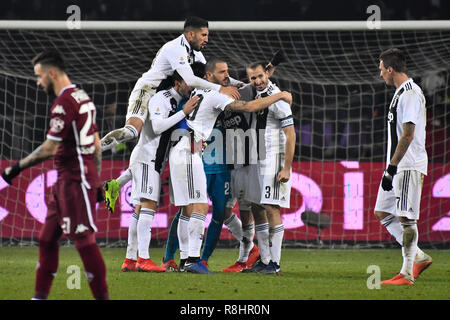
(147, 265)
(398, 280)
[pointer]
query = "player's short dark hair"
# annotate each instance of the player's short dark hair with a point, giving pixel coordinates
(199, 69)
(394, 58)
(212, 62)
(195, 23)
(50, 58)
(256, 64)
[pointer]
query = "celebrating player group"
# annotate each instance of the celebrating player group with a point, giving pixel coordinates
(230, 141)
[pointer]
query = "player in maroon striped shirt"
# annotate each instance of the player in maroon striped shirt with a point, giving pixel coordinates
(74, 143)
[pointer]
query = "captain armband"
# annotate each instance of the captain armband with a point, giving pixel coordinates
(286, 122)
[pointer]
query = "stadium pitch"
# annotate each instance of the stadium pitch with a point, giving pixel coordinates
(308, 274)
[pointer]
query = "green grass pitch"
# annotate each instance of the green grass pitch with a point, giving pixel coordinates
(308, 274)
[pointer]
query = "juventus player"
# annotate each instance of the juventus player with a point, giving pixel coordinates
(149, 159)
(177, 54)
(243, 142)
(74, 143)
(398, 201)
(273, 171)
(187, 176)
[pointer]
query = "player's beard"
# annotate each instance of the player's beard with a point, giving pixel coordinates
(50, 91)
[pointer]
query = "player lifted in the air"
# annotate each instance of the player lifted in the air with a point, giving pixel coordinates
(149, 158)
(177, 54)
(186, 167)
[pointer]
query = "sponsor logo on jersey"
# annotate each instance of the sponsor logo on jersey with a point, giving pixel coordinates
(81, 228)
(56, 125)
(59, 109)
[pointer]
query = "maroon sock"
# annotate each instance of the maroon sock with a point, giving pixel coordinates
(46, 269)
(95, 270)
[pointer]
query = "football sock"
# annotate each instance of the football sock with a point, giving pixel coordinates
(183, 236)
(262, 235)
(410, 238)
(95, 269)
(46, 268)
(196, 228)
(276, 241)
(132, 245)
(144, 232)
(212, 236)
(246, 245)
(124, 178)
(394, 227)
(234, 225)
(172, 239)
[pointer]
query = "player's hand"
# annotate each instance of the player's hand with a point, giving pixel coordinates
(286, 96)
(230, 91)
(278, 57)
(11, 172)
(284, 175)
(388, 176)
(190, 105)
(108, 142)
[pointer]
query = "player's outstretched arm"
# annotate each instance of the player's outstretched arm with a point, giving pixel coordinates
(193, 81)
(43, 152)
(160, 125)
(131, 131)
(259, 104)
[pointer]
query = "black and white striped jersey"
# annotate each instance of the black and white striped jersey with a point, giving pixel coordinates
(408, 105)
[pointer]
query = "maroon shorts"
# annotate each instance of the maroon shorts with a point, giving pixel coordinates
(70, 210)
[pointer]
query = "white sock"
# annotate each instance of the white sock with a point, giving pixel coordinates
(262, 235)
(246, 245)
(124, 178)
(132, 245)
(144, 232)
(183, 236)
(394, 227)
(196, 229)
(276, 234)
(410, 238)
(234, 225)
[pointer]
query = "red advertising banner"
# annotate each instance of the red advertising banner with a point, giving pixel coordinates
(346, 191)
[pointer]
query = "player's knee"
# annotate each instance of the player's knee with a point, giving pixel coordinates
(86, 239)
(380, 215)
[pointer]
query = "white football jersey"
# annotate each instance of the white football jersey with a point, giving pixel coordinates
(172, 55)
(203, 118)
(153, 147)
(273, 120)
(408, 105)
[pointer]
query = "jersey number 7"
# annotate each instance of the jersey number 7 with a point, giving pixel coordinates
(192, 115)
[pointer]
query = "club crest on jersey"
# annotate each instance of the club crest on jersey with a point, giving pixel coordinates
(56, 125)
(59, 109)
(182, 60)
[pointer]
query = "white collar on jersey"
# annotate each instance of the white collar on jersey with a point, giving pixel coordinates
(176, 95)
(65, 88)
(186, 43)
(403, 84)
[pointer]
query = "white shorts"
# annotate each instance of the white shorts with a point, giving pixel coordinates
(404, 199)
(239, 187)
(187, 176)
(272, 191)
(146, 182)
(138, 101)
